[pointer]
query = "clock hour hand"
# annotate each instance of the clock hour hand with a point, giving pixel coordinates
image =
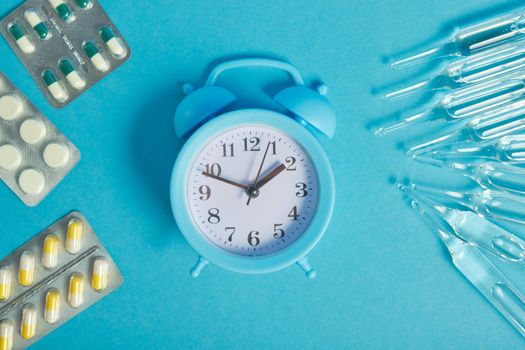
(229, 182)
(279, 169)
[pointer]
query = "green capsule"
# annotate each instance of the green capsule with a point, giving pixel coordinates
(49, 78)
(37, 23)
(84, 4)
(107, 34)
(90, 49)
(72, 76)
(16, 31)
(63, 11)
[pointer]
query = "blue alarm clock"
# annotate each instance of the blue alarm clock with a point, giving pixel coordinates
(252, 190)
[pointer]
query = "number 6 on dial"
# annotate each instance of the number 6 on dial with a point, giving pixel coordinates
(252, 190)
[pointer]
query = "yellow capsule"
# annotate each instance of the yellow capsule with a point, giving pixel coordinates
(6, 278)
(75, 231)
(52, 309)
(29, 321)
(6, 335)
(50, 252)
(99, 279)
(76, 290)
(26, 270)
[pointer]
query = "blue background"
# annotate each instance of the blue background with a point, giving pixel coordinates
(383, 279)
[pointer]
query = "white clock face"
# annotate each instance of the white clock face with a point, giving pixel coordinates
(252, 191)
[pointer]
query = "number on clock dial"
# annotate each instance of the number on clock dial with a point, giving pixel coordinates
(275, 218)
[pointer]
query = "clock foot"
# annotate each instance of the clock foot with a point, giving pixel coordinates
(196, 270)
(307, 268)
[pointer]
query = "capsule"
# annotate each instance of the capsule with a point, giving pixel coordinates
(52, 307)
(6, 335)
(55, 89)
(36, 21)
(29, 321)
(76, 290)
(50, 251)
(62, 9)
(72, 76)
(21, 39)
(96, 58)
(26, 270)
(6, 282)
(113, 43)
(99, 279)
(84, 4)
(75, 231)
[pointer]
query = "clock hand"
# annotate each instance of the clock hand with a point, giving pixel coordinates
(253, 190)
(279, 169)
(224, 180)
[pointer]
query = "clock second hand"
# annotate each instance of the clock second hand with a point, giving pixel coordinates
(253, 190)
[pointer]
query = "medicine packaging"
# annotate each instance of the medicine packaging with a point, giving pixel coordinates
(34, 155)
(52, 278)
(66, 45)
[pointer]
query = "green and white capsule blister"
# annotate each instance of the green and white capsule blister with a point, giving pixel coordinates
(66, 45)
(23, 42)
(72, 76)
(36, 21)
(55, 89)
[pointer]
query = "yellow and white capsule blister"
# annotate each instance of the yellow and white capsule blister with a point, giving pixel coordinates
(67, 45)
(51, 278)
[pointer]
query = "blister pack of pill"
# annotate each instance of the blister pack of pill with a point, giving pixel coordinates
(66, 45)
(52, 278)
(34, 155)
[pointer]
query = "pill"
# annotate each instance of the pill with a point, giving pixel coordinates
(32, 130)
(96, 58)
(6, 335)
(10, 157)
(114, 44)
(75, 231)
(6, 283)
(56, 155)
(21, 39)
(52, 307)
(99, 279)
(84, 4)
(72, 76)
(50, 251)
(76, 290)
(54, 87)
(36, 21)
(62, 9)
(31, 181)
(26, 269)
(29, 321)
(10, 107)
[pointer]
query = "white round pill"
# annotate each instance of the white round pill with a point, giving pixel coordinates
(31, 181)
(10, 157)
(32, 130)
(56, 155)
(10, 107)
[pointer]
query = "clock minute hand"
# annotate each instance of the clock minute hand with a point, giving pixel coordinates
(229, 182)
(279, 169)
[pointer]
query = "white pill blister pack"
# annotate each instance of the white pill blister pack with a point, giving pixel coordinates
(52, 278)
(34, 155)
(66, 45)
